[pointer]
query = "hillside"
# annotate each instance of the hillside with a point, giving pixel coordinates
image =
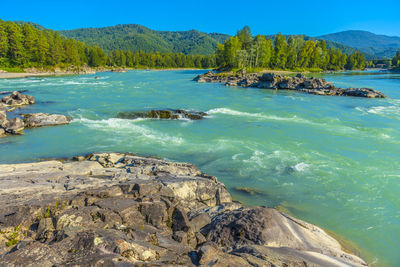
(135, 37)
(381, 46)
(329, 44)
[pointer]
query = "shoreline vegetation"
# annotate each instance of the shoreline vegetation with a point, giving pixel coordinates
(149, 211)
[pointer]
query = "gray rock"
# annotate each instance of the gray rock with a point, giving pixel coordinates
(316, 86)
(44, 119)
(113, 208)
(199, 221)
(18, 99)
(13, 126)
(173, 114)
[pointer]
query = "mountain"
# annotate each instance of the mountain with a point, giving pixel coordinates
(329, 44)
(136, 37)
(380, 46)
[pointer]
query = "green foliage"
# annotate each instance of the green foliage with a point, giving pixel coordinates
(294, 53)
(13, 237)
(376, 46)
(134, 38)
(396, 60)
(23, 45)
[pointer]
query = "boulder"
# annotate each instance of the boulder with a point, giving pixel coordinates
(3, 114)
(18, 99)
(362, 92)
(44, 119)
(167, 114)
(13, 126)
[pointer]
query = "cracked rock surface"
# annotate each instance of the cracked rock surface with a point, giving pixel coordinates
(113, 209)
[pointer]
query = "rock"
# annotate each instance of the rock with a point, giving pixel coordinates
(118, 70)
(13, 126)
(173, 114)
(316, 86)
(18, 99)
(248, 190)
(44, 119)
(362, 92)
(241, 73)
(199, 221)
(113, 208)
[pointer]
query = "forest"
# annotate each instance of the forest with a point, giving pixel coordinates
(23, 45)
(293, 53)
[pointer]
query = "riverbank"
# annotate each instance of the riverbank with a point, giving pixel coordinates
(113, 207)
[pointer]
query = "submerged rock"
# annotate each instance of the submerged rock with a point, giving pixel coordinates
(317, 86)
(123, 210)
(44, 119)
(248, 190)
(173, 114)
(18, 99)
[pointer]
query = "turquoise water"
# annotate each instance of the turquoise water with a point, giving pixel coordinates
(333, 161)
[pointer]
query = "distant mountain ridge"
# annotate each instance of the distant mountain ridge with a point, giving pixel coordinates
(381, 46)
(136, 37)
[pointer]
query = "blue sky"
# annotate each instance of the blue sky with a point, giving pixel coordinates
(265, 17)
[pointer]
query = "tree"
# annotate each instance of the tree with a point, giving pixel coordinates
(232, 46)
(15, 52)
(280, 51)
(396, 59)
(245, 37)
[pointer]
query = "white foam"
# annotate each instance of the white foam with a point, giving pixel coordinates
(300, 167)
(123, 126)
(233, 112)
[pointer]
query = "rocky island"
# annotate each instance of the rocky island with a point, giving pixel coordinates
(113, 209)
(315, 86)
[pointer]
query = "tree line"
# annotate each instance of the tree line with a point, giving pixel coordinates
(396, 60)
(244, 51)
(23, 45)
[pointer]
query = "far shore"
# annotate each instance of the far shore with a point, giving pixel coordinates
(11, 75)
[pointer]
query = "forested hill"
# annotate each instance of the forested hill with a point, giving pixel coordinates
(133, 37)
(329, 44)
(380, 46)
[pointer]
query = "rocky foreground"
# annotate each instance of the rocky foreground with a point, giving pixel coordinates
(125, 210)
(315, 86)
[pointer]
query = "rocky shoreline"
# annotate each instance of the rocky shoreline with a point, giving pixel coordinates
(16, 125)
(315, 86)
(113, 209)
